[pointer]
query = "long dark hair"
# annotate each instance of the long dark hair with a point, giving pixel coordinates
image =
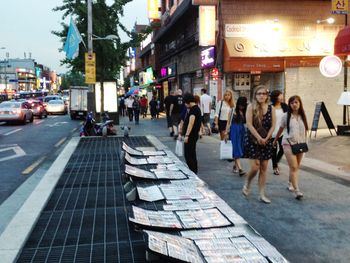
(241, 101)
(301, 112)
(274, 96)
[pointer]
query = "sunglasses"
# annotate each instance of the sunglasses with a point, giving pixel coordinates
(261, 93)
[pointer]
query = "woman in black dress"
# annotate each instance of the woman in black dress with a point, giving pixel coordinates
(260, 119)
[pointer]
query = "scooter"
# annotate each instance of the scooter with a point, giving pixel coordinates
(91, 128)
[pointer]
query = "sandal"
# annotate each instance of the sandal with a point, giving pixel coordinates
(298, 195)
(276, 171)
(290, 187)
(235, 170)
(241, 172)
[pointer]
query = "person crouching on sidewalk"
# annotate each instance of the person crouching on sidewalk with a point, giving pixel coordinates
(297, 128)
(191, 127)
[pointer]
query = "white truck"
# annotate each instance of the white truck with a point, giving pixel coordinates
(78, 102)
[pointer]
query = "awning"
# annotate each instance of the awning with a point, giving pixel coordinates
(342, 42)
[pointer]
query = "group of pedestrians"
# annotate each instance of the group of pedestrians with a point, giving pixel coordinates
(262, 131)
(133, 106)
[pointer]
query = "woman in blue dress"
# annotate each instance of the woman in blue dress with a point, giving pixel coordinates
(235, 131)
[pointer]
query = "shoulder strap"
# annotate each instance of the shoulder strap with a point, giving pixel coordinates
(220, 110)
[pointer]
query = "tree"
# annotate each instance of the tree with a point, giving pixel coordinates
(110, 55)
(72, 79)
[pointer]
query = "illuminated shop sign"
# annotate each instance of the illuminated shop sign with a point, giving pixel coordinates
(146, 77)
(208, 57)
(153, 9)
(169, 71)
(207, 18)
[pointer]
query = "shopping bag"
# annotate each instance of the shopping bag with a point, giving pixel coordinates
(179, 148)
(225, 150)
(212, 114)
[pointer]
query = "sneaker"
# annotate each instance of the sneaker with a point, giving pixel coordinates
(276, 171)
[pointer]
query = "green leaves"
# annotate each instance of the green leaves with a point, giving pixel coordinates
(110, 54)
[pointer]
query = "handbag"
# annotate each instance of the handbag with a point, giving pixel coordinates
(225, 150)
(298, 147)
(179, 148)
(213, 128)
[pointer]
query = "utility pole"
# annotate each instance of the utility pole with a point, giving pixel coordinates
(91, 93)
(345, 77)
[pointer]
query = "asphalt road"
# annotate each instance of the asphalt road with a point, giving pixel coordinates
(24, 148)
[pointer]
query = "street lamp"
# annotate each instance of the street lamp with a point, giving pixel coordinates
(109, 37)
(329, 20)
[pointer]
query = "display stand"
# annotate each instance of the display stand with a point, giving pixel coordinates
(321, 107)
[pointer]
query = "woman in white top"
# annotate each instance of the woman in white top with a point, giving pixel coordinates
(277, 99)
(223, 110)
(295, 122)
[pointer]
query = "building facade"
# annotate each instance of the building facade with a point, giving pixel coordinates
(278, 44)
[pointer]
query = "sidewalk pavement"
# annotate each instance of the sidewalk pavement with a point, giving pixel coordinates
(316, 229)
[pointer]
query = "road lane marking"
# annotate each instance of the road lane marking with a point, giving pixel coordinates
(38, 122)
(60, 142)
(10, 132)
(18, 152)
(30, 168)
(73, 130)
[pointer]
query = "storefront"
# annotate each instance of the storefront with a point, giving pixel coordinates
(244, 74)
(281, 51)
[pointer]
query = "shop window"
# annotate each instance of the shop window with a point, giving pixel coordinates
(242, 81)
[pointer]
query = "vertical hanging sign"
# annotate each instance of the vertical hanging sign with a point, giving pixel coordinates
(340, 7)
(153, 12)
(90, 68)
(206, 26)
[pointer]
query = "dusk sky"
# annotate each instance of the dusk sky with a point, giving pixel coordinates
(26, 28)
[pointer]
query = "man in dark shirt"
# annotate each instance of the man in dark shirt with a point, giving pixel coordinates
(175, 111)
(191, 127)
(167, 102)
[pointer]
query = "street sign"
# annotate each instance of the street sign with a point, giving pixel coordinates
(90, 68)
(340, 7)
(13, 80)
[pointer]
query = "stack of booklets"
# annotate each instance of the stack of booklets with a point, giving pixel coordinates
(142, 152)
(135, 161)
(178, 205)
(149, 193)
(173, 247)
(201, 218)
(211, 249)
(155, 175)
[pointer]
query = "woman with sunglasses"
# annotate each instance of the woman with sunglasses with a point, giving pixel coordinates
(260, 118)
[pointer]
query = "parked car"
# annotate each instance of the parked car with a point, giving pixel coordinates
(49, 98)
(56, 106)
(38, 109)
(11, 111)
